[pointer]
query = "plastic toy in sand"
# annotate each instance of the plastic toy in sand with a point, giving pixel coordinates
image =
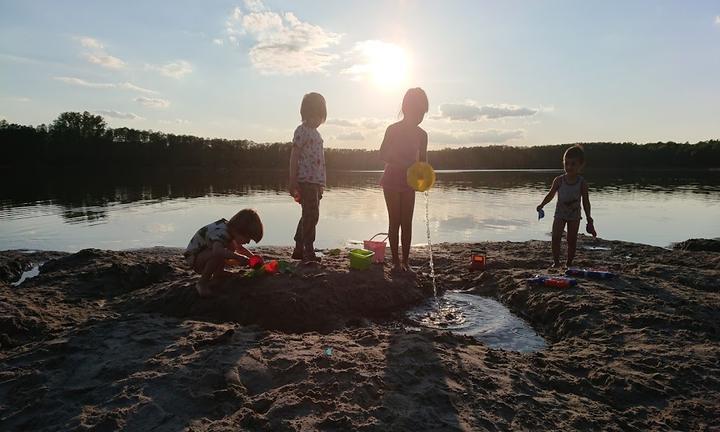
(420, 176)
(270, 268)
(378, 247)
(477, 261)
(589, 273)
(360, 259)
(552, 281)
(254, 262)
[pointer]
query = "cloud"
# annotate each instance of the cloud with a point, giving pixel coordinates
(16, 99)
(89, 42)
(131, 86)
(176, 69)
(717, 20)
(351, 136)
(96, 54)
(152, 102)
(118, 115)
(218, 42)
(124, 85)
(485, 136)
(175, 121)
(255, 5)
(105, 60)
(469, 111)
(83, 83)
(282, 43)
(366, 123)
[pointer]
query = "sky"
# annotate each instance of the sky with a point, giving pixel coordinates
(496, 72)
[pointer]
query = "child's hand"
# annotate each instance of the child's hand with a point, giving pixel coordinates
(590, 228)
(294, 188)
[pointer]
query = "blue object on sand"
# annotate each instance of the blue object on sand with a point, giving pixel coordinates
(541, 214)
(328, 351)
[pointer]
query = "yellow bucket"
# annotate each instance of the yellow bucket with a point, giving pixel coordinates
(420, 176)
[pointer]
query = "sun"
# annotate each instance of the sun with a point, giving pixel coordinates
(386, 64)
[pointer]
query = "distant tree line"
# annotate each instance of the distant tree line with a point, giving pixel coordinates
(82, 139)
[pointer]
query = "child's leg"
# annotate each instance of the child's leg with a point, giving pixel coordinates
(392, 201)
(407, 206)
(557, 230)
(572, 233)
(310, 200)
(298, 252)
(208, 264)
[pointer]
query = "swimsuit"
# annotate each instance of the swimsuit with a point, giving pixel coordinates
(568, 200)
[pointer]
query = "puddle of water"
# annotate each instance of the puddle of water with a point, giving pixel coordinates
(485, 319)
(34, 271)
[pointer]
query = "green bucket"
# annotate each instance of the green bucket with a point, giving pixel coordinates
(360, 259)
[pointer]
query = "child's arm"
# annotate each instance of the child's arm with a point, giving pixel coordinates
(550, 195)
(586, 205)
(423, 148)
(243, 250)
(586, 201)
(220, 250)
(386, 154)
(293, 186)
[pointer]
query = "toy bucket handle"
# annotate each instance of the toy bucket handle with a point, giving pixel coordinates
(385, 234)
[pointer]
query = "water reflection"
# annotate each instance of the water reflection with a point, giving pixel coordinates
(69, 210)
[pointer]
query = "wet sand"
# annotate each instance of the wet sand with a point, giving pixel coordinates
(105, 340)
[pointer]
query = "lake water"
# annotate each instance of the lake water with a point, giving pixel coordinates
(72, 211)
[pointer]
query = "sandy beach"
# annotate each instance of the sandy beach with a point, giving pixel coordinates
(106, 340)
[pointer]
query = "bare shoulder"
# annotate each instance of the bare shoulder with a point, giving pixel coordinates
(422, 132)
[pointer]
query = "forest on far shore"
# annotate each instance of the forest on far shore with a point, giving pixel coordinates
(82, 139)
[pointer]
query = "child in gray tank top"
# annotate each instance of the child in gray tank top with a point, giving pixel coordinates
(571, 189)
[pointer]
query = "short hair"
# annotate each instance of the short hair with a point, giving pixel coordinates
(575, 152)
(247, 222)
(415, 101)
(313, 106)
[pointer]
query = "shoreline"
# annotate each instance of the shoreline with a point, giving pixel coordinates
(636, 352)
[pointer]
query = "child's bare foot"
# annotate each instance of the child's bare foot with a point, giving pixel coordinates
(297, 253)
(406, 268)
(310, 257)
(203, 289)
(396, 267)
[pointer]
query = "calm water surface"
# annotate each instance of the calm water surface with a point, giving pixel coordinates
(71, 212)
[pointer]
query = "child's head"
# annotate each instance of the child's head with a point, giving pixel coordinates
(246, 226)
(415, 104)
(574, 159)
(313, 110)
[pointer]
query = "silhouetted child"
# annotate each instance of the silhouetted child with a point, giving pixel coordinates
(570, 188)
(307, 173)
(219, 241)
(404, 144)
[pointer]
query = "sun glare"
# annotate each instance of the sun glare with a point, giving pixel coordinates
(387, 64)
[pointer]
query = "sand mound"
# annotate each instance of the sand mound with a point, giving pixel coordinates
(708, 245)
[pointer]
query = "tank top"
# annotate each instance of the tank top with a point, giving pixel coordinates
(568, 199)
